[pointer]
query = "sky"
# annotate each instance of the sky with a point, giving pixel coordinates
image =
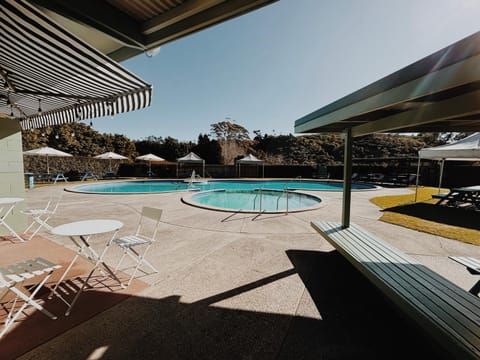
(266, 69)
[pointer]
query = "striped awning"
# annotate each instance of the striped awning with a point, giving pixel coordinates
(50, 77)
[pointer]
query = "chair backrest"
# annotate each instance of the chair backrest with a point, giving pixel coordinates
(153, 214)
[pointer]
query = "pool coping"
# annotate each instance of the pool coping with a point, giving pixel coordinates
(189, 201)
(74, 190)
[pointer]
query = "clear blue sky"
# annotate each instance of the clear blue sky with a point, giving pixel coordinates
(269, 67)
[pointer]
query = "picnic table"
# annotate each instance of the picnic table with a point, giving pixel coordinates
(459, 197)
(89, 175)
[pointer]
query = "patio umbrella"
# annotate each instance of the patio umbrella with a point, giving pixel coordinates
(110, 156)
(46, 151)
(150, 158)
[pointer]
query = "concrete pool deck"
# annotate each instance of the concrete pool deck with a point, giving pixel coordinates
(248, 287)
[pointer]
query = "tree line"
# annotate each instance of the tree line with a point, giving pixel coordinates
(229, 141)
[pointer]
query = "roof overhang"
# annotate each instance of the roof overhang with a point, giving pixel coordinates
(124, 28)
(440, 92)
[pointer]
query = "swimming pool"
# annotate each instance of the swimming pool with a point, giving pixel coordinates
(160, 186)
(257, 200)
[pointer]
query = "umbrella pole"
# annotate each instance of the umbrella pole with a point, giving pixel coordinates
(48, 167)
(149, 167)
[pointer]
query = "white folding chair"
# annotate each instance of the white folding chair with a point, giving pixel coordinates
(12, 278)
(142, 238)
(41, 216)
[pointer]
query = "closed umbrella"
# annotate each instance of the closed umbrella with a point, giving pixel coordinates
(47, 152)
(110, 156)
(150, 158)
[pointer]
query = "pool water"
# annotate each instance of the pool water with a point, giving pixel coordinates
(253, 200)
(140, 186)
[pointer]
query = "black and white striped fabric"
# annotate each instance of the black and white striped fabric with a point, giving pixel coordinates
(44, 67)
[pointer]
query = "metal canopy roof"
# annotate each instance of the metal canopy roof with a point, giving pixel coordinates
(49, 77)
(440, 92)
(124, 28)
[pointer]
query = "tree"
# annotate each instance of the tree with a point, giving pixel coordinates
(209, 150)
(225, 130)
(232, 138)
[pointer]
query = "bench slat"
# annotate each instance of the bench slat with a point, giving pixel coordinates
(405, 284)
(411, 274)
(469, 262)
(412, 286)
(449, 289)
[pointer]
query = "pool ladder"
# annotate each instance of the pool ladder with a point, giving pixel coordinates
(255, 200)
(285, 191)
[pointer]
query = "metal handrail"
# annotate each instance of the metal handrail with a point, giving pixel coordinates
(278, 198)
(255, 200)
(261, 196)
(286, 190)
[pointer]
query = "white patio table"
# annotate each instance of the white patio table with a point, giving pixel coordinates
(80, 232)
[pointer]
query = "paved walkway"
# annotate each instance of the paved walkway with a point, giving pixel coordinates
(248, 288)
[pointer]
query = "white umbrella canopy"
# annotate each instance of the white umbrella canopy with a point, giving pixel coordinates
(150, 158)
(110, 155)
(46, 151)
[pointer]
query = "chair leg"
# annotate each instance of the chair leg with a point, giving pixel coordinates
(140, 259)
(30, 226)
(121, 260)
(41, 223)
(28, 300)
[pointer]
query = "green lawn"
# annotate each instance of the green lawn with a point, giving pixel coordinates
(425, 216)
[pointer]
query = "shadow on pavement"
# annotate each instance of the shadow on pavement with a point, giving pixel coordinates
(355, 322)
(465, 218)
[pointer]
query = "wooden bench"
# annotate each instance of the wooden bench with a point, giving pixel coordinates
(473, 267)
(446, 312)
(440, 196)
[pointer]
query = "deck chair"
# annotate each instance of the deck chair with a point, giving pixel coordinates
(12, 281)
(41, 216)
(143, 238)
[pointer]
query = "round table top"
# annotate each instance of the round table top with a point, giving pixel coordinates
(10, 200)
(87, 227)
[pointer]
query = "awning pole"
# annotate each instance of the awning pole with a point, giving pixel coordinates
(416, 179)
(347, 179)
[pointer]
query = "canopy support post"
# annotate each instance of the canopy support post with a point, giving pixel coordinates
(347, 179)
(416, 178)
(441, 175)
